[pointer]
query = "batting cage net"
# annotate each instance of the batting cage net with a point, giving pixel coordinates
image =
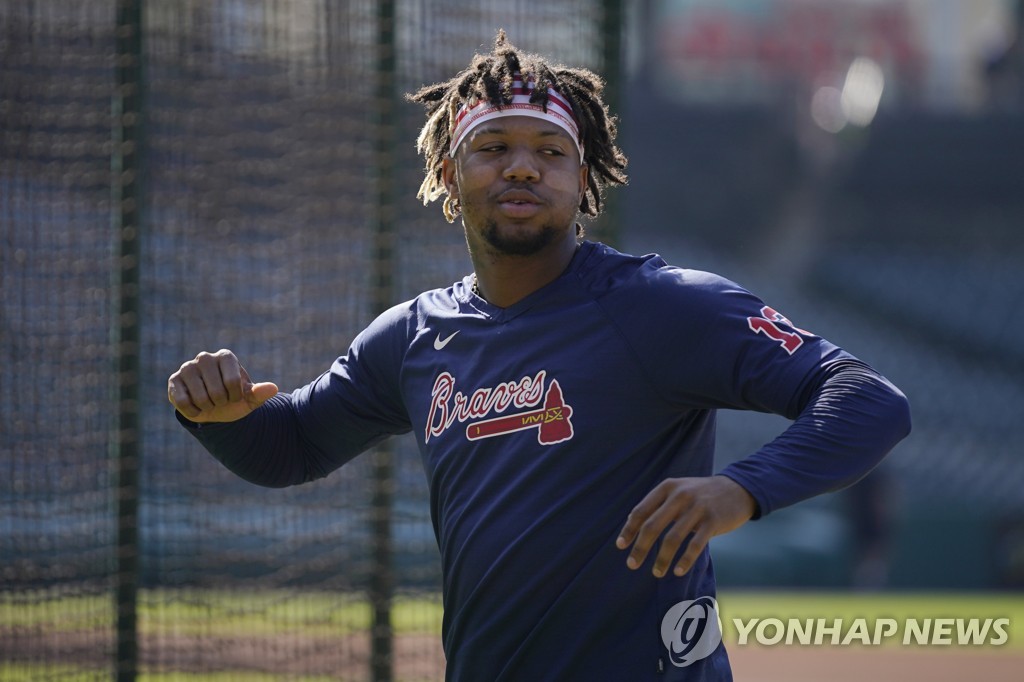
(191, 175)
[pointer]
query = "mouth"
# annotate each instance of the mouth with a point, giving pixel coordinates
(518, 197)
(519, 203)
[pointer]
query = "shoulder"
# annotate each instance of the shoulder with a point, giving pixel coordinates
(396, 321)
(398, 326)
(651, 281)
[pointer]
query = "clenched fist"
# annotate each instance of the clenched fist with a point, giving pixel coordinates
(214, 387)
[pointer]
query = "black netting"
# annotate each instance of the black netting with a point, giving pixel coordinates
(259, 211)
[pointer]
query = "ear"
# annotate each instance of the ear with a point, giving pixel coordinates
(448, 176)
(584, 175)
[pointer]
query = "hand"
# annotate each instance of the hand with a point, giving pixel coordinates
(216, 388)
(697, 507)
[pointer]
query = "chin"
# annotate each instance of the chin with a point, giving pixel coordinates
(516, 242)
(519, 240)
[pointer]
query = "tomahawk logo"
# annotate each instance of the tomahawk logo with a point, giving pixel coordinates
(691, 630)
(551, 421)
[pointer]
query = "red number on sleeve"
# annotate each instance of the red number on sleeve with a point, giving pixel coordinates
(767, 324)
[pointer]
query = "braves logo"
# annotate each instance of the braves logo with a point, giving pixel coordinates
(552, 419)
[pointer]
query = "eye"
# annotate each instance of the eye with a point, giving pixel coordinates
(492, 147)
(552, 151)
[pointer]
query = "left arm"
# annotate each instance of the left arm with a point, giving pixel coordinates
(849, 423)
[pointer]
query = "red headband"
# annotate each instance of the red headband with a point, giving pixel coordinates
(558, 111)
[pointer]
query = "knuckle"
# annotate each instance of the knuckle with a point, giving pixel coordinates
(649, 529)
(641, 546)
(679, 490)
(666, 486)
(638, 516)
(682, 503)
(648, 525)
(204, 358)
(693, 550)
(677, 533)
(200, 398)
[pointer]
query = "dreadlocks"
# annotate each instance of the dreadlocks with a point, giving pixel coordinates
(490, 78)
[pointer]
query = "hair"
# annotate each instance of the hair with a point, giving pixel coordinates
(489, 77)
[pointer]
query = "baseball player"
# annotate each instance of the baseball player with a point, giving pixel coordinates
(563, 398)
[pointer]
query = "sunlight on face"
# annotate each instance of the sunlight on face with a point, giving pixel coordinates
(519, 182)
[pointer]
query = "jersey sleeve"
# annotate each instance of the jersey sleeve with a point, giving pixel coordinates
(712, 344)
(304, 435)
(705, 342)
(358, 401)
(850, 422)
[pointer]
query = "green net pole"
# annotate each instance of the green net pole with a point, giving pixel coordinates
(385, 124)
(127, 147)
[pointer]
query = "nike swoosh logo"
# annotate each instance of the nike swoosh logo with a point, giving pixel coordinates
(440, 343)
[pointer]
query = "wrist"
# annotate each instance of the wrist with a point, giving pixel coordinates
(744, 503)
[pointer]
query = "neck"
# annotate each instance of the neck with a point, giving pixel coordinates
(505, 279)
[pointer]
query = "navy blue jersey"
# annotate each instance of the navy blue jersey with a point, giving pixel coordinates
(542, 424)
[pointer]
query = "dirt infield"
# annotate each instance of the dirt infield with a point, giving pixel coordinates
(418, 658)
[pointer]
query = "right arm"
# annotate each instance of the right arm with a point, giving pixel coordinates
(242, 424)
(276, 440)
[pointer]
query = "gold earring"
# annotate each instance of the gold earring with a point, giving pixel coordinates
(452, 208)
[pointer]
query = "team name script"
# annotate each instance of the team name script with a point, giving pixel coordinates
(448, 405)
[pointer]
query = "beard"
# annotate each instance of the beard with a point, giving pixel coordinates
(526, 243)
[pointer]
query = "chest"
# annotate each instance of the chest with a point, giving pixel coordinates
(535, 380)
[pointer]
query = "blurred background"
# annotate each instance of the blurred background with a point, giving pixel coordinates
(188, 175)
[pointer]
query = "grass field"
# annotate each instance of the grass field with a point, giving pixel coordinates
(850, 606)
(206, 636)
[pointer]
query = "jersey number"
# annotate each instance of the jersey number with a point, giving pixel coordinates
(767, 325)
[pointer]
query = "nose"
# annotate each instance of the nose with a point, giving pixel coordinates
(522, 166)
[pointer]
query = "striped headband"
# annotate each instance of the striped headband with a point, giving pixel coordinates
(559, 112)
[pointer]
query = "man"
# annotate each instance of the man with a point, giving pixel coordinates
(563, 399)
